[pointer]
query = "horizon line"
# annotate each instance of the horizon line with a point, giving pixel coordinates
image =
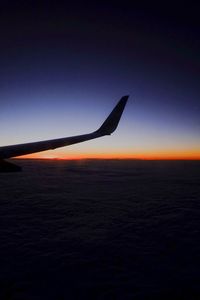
(109, 158)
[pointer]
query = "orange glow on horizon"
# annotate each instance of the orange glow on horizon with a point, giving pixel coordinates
(157, 155)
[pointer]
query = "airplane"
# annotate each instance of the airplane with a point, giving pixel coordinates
(108, 127)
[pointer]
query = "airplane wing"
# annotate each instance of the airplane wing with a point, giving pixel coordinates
(108, 127)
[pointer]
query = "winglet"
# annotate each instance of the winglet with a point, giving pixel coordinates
(111, 123)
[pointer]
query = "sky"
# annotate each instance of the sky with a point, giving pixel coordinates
(63, 67)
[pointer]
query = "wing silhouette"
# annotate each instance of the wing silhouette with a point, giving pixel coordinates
(108, 127)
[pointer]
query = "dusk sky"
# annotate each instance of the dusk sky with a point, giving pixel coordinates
(64, 67)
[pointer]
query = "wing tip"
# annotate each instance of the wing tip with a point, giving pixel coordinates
(112, 121)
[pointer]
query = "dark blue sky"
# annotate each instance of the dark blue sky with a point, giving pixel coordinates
(63, 67)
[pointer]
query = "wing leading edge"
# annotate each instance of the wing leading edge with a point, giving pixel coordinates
(108, 127)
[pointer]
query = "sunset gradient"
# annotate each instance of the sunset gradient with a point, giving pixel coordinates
(63, 70)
